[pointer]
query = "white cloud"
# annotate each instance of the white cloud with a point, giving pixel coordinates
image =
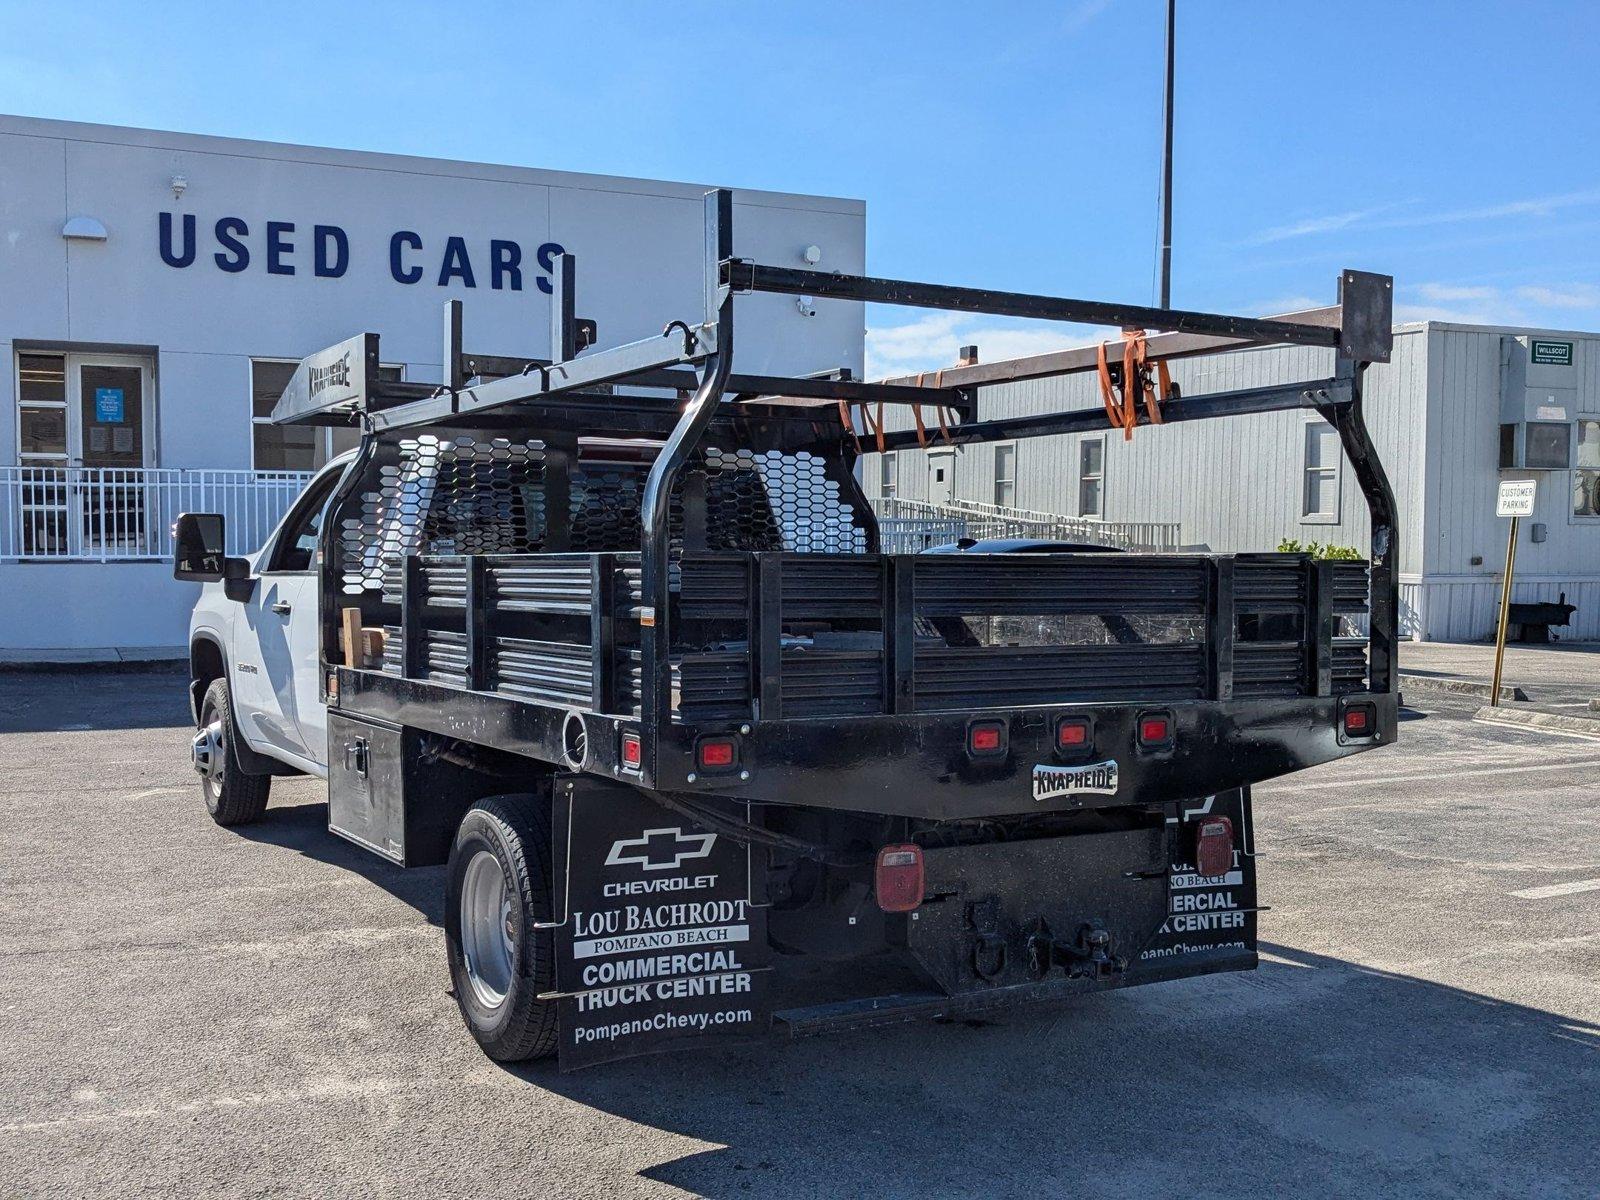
(1532, 206)
(935, 341)
(1572, 295)
(1082, 14)
(1406, 314)
(1445, 293)
(1324, 224)
(1531, 304)
(1284, 304)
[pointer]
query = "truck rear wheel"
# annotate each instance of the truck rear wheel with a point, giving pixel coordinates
(232, 797)
(497, 890)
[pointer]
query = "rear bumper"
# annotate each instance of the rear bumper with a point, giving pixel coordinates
(917, 766)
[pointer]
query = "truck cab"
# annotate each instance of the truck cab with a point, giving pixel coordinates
(258, 632)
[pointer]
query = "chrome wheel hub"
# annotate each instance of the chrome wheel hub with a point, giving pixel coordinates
(207, 754)
(488, 929)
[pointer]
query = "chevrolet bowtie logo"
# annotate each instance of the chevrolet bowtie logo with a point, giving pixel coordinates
(660, 849)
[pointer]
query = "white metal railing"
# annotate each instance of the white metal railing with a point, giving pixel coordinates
(911, 535)
(996, 521)
(105, 514)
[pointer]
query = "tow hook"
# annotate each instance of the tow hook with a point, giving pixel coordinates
(1089, 956)
(988, 946)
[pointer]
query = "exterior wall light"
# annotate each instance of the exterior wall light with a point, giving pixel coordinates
(84, 229)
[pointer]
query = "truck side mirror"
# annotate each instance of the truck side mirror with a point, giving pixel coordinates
(199, 550)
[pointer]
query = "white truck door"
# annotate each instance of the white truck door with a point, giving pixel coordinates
(263, 674)
(284, 697)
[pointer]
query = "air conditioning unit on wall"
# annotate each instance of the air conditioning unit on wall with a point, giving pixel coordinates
(1538, 402)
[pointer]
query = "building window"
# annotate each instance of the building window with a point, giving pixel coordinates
(1319, 502)
(1586, 479)
(888, 475)
(293, 447)
(1091, 477)
(1005, 476)
(42, 409)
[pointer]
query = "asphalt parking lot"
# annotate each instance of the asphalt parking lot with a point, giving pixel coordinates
(187, 1010)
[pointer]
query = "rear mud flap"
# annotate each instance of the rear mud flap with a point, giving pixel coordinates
(658, 945)
(1208, 917)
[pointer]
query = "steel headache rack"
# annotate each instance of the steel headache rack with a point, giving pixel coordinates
(681, 586)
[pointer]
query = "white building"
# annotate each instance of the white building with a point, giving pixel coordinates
(158, 288)
(1457, 409)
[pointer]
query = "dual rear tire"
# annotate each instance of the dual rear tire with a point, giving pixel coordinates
(497, 895)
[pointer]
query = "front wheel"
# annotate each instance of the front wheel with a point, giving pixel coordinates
(232, 797)
(497, 891)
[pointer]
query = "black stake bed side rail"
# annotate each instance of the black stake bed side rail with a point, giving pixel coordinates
(690, 362)
(1243, 653)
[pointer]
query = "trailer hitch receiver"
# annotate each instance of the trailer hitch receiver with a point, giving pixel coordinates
(1090, 955)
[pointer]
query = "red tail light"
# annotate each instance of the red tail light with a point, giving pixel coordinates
(717, 753)
(1155, 730)
(632, 752)
(1213, 846)
(1072, 734)
(899, 878)
(986, 739)
(1360, 720)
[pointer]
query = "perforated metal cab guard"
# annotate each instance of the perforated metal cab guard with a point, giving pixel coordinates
(477, 494)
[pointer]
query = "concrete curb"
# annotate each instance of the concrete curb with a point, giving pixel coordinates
(100, 660)
(1527, 718)
(1461, 687)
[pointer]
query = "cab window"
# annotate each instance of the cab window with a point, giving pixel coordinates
(297, 542)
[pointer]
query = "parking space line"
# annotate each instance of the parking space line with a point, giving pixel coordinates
(1424, 777)
(1552, 890)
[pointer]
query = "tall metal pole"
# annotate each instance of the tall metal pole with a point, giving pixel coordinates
(1166, 168)
(1505, 612)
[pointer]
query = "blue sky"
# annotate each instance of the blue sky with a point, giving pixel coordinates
(1452, 145)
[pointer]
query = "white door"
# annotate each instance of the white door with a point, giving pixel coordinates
(278, 634)
(85, 422)
(264, 665)
(941, 476)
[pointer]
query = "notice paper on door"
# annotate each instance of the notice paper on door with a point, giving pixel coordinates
(108, 406)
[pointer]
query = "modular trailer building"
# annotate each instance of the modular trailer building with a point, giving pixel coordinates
(157, 290)
(1459, 408)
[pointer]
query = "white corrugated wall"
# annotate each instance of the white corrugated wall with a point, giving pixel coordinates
(1461, 596)
(1234, 484)
(1237, 484)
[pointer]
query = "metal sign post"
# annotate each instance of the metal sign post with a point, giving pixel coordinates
(1515, 501)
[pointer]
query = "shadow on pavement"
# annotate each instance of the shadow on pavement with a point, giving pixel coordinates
(303, 828)
(61, 701)
(1315, 1076)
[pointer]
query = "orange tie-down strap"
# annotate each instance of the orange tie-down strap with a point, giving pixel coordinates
(868, 425)
(876, 426)
(1123, 409)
